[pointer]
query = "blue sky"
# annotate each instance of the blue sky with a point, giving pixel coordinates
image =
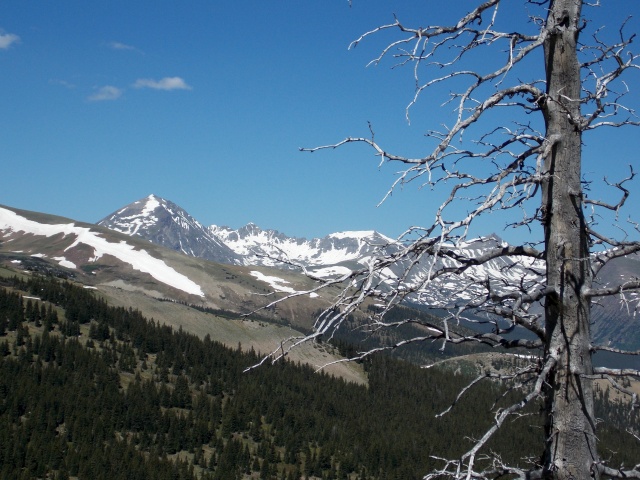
(206, 104)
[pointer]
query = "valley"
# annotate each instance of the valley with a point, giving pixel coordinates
(98, 391)
(146, 310)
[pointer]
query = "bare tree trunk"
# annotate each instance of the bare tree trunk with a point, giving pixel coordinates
(570, 425)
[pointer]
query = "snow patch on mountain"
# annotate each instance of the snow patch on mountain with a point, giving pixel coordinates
(277, 283)
(151, 204)
(63, 262)
(138, 259)
(357, 234)
(331, 272)
(131, 224)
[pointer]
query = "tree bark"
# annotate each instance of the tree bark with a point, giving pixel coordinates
(570, 451)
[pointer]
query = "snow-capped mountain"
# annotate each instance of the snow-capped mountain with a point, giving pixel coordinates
(450, 288)
(272, 248)
(165, 223)
(30, 240)
(338, 253)
(162, 222)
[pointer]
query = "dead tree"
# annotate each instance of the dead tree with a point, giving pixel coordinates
(533, 166)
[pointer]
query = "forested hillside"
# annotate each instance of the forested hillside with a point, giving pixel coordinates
(92, 391)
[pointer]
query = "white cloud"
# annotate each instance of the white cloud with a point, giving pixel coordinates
(123, 46)
(120, 46)
(6, 39)
(166, 83)
(62, 83)
(108, 92)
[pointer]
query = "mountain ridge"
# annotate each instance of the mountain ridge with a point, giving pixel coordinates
(165, 223)
(343, 252)
(110, 258)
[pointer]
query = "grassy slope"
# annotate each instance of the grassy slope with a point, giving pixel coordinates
(262, 336)
(226, 287)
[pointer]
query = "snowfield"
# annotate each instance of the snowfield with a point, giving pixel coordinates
(331, 272)
(63, 262)
(138, 259)
(277, 283)
(137, 222)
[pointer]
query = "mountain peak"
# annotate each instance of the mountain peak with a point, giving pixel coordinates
(163, 222)
(363, 235)
(153, 202)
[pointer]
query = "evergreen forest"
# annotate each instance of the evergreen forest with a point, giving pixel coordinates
(93, 391)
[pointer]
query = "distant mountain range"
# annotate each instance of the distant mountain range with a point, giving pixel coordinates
(155, 248)
(164, 223)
